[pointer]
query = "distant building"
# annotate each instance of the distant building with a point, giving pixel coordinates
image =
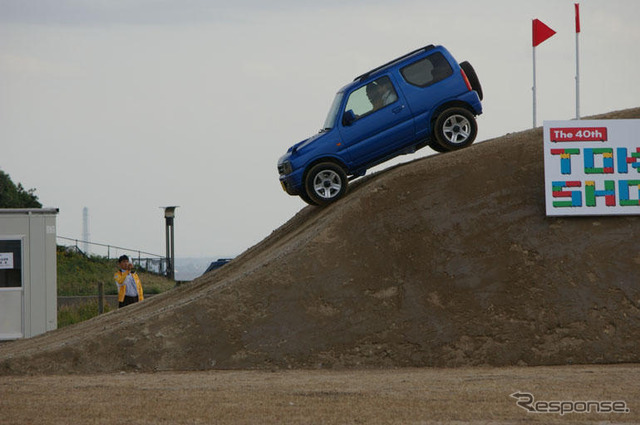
(85, 231)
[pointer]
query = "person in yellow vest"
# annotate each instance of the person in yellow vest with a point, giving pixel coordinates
(128, 282)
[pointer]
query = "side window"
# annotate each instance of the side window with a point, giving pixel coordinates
(370, 98)
(427, 71)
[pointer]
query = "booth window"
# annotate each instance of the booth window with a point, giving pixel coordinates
(10, 263)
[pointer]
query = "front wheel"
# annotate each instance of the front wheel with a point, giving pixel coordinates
(306, 199)
(455, 128)
(325, 183)
(433, 144)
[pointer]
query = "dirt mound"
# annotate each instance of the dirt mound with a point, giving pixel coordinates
(445, 261)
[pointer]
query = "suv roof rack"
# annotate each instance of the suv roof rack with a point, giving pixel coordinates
(367, 74)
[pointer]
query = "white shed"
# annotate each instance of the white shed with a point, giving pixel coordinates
(28, 285)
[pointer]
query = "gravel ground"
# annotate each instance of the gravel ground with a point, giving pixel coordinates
(392, 396)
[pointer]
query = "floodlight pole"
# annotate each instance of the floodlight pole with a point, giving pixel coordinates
(169, 215)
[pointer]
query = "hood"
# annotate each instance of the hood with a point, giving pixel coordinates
(306, 142)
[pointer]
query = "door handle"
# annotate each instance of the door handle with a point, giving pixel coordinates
(397, 109)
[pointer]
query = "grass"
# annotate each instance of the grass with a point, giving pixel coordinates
(79, 275)
(68, 315)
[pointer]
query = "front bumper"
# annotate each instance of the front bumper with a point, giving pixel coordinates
(290, 179)
(292, 183)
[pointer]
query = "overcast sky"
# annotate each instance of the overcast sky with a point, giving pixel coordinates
(123, 106)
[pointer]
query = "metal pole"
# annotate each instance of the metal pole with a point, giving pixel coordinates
(173, 254)
(169, 214)
(534, 87)
(167, 220)
(577, 77)
(100, 298)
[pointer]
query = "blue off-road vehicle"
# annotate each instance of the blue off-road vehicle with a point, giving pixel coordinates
(424, 98)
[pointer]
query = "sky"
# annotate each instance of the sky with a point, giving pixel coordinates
(124, 106)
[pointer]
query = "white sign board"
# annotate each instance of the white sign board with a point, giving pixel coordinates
(592, 167)
(6, 260)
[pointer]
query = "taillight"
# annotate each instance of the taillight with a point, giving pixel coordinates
(466, 80)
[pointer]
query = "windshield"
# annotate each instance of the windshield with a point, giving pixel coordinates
(333, 112)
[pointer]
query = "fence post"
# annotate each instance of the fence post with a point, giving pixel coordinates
(100, 298)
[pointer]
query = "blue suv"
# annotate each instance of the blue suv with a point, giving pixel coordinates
(424, 98)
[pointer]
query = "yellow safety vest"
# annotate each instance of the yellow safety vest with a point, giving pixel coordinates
(119, 277)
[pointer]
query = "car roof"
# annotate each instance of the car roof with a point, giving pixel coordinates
(395, 62)
(382, 68)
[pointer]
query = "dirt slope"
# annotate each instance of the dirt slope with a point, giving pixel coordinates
(446, 261)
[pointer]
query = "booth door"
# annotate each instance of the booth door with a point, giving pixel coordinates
(11, 290)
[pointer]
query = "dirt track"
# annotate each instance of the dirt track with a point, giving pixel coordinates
(471, 396)
(447, 261)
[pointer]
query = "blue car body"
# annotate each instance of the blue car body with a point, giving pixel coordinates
(360, 132)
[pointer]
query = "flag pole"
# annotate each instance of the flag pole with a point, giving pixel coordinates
(577, 78)
(539, 33)
(577, 6)
(534, 86)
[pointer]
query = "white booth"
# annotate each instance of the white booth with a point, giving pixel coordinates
(28, 285)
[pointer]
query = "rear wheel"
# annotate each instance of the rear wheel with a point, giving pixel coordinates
(455, 128)
(325, 183)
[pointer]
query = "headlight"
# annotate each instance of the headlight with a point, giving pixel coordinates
(285, 168)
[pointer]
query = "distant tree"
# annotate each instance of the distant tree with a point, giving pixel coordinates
(12, 196)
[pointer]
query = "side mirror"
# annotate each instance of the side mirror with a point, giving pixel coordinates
(348, 118)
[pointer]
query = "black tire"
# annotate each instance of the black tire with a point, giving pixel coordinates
(325, 183)
(473, 78)
(433, 144)
(306, 199)
(455, 128)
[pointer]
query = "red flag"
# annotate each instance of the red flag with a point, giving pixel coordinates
(577, 17)
(540, 32)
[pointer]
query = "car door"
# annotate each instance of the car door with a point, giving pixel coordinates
(375, 122)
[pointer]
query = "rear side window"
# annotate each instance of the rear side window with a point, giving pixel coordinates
(427, 71)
